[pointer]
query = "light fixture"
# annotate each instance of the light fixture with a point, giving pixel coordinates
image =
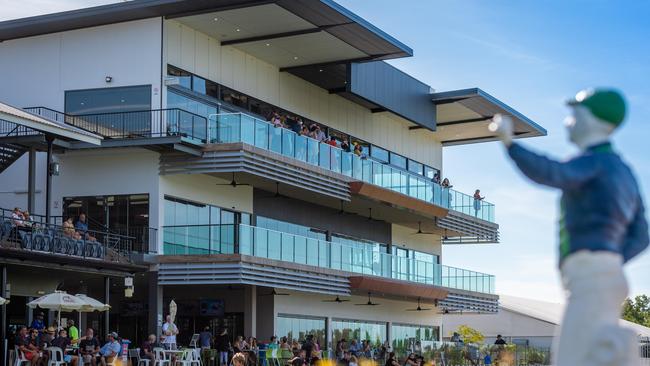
(320, 70)
(108, 79)
(268, 44)
(295, 57)
(237, 30)
(216, 19)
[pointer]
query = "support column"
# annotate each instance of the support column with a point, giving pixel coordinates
(107, 300)
(389, 332)
(3, 317)
(31, 182)
(155, 311)
(328, 336)
(250, 311)
(29, 315)
(48, 184)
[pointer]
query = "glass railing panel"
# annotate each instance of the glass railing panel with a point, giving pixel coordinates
(261, 244)
(335, 159)
(300, 249)
(313, 252)
(366, 170)
(346, 164)
(228, 127)
(288, 143)
(247, 129)
(301, 147)
(357, 171)
(313, 151)
(261, 134)
(275, 139)
(287, 247)
(336, 260)
(275, 244)
(246, 240)
(324, 251)
(324, 155)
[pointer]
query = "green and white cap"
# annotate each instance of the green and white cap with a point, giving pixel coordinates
(605, 104)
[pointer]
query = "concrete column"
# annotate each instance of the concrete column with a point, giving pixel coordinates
(155, 315)
(31, 182)
(107, 300)
(29, 315)
(328, 335)
(48, 182)
(250, 311)
(389, 332)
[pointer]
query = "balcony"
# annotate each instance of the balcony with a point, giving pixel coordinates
(260, 242)
(52, 243)
(239, 127)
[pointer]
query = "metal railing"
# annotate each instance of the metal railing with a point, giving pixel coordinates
(56, 239)
(240, 127)
(35, 218)
(271, 244)
(11, 129)
(134, 124)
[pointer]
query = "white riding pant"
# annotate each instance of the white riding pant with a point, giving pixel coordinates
(590, 334)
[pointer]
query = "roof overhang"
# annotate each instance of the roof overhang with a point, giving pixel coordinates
(305, 31)
(463, 117)
(386, 286)
(398, 200)
(45, 126)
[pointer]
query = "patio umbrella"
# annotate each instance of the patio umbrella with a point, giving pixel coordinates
(90, 305)
(58, 300)
(3, 301)
(172, 310)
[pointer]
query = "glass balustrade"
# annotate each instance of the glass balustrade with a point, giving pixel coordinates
(277, 245)
(239, 127)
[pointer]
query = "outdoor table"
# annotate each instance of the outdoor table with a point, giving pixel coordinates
(170, 354)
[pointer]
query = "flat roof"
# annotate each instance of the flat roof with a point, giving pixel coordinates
(464, 115)
(18, 116)
(325, 15)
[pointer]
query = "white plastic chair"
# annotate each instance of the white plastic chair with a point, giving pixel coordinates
(20, 358)
(135, 353)
(159, 353)
(187, 359)
(56, 356)
(196, 360)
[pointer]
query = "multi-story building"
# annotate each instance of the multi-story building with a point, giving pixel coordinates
(158, 117)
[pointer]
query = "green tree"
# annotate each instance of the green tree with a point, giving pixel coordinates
(637, 310)
(470, 335)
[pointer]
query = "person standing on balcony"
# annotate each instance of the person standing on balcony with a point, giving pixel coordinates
(170, 331)
(602, 226)
(477, 201)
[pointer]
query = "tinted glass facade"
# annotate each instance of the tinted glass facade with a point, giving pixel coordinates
(297, 327)
(108, 100)
(348, 329)
(413, 338)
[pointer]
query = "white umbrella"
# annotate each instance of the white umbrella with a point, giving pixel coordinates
(58, 300)
(90, 305)
(3, 301)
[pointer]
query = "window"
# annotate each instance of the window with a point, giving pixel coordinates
(184, 77)
(195, 228)
(430, 172)
(290, 228)
(107, 100)
(374, 332)
(198, 84)
(409, 337)
(415, 167)
(296, 327)
(397, 160)
(235, 98)
(379, 154)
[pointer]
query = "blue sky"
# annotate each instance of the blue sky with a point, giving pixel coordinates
(532, 55)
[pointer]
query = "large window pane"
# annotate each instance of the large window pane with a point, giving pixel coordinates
(296, 327)
(357, 330)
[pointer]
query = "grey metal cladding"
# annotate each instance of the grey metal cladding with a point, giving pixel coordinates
(394, 90)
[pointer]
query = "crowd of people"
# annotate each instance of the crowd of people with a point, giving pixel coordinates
(35, 344)
(71, 228)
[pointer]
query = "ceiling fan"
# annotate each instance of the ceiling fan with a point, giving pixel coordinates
(275, 293)
(277, 193)
(233, 183)
(420, 232)
(369, 303)
(338, 300)
(419, 308)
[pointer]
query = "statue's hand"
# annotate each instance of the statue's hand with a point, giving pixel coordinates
(502, 125)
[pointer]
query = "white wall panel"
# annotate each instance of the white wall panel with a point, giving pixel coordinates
(253, 76)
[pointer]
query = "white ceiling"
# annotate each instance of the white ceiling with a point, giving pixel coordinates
(256, 21)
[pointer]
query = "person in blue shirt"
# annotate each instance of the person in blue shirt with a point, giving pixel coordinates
(110, 350)
(38, 322)
(602, 226)
(82, 227)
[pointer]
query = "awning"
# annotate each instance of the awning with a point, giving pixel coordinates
(19, 117)
(385, 286)
(463, 117)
